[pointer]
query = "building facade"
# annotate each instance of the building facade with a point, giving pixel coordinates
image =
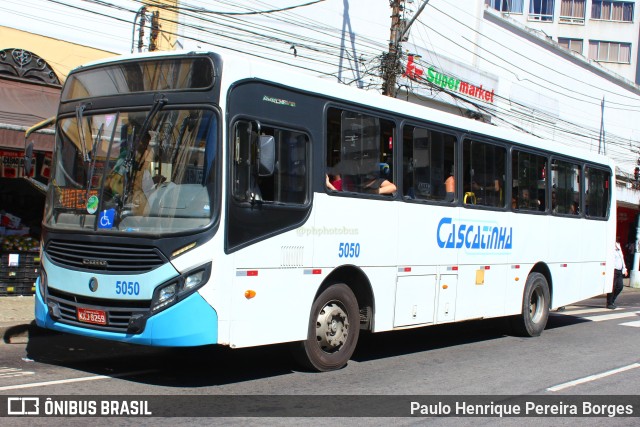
(603, 31)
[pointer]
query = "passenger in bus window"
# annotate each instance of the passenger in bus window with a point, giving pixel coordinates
(574, 209)
(527, 202)
(334, 182)
(375, 185)
(450, 187)
(487, 190)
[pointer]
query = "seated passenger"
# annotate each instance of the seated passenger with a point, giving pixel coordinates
(334, 182)
(450, 189)
(375, 185)
(574, 209)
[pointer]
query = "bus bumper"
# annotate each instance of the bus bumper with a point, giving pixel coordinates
(191, 322)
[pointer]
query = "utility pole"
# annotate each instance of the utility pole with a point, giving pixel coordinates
(164, 31)
(391, 60)
(143, 20)
(601, 143)
(155, 29)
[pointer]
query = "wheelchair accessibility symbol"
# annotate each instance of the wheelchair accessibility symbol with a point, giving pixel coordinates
(106, 218)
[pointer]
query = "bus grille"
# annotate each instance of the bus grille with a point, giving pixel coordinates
(118, 312)
(104, 257)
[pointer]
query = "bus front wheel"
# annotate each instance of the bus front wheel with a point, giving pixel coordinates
(334, 326)
(535, 307)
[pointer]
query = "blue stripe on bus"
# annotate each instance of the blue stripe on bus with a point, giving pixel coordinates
(77, 282)
(191, 322)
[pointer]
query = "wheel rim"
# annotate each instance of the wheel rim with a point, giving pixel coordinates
(536, 305)
(332, 327)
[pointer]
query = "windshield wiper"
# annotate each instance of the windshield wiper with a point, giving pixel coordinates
(131, 164)
(94, 148)
(79, 118)
(157, 106)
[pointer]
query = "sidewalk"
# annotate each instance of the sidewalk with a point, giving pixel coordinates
(16, 314)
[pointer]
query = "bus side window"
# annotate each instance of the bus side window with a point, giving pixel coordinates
(597, 197)
(288, 182)
(565, 194)
(359, 152)
(529, 181)
(484, 172)
(429, 164)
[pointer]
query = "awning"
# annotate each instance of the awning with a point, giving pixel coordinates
(23, 104)
(12, 137)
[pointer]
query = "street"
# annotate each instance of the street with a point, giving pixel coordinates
(585, 350)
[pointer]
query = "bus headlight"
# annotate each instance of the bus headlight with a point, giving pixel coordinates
(179, 288)
(168, 292)
(194, 280)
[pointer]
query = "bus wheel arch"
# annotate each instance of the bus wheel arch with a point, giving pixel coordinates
(536, 300)
(543, 269)
(334, 321)
(360, 285)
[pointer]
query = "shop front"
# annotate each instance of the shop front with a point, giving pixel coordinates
(29, 93)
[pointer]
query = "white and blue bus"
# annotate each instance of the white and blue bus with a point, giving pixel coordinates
(201, 199)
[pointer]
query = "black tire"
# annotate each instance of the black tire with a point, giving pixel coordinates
(334, 326)
(535, 307)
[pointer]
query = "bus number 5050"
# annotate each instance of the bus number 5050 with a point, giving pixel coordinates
(349, 250)
(127, 288)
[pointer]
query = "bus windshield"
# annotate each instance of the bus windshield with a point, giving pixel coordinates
(133, 171)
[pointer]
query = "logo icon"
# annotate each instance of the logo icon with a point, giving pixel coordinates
(106, 218)
(23, 406)
(92, 204)
(93, 284)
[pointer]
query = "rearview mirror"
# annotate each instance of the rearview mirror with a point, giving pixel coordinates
(28, 155)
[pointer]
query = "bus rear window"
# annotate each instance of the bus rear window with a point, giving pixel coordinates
(140, 76)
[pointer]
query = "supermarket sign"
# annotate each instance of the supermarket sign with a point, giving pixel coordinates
(416, 72)
(452, 83)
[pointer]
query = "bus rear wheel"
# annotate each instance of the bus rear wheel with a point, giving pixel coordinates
(332, 335)
(535, 307)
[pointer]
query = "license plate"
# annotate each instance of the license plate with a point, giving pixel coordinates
(87, 315)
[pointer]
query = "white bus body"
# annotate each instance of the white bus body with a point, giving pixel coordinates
(406, 261)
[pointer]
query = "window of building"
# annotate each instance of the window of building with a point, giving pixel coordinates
(612, 10)
(597, 197)
(571, 44)
(541, 10)
(359, 152)
(572, 11)
(529, 183)
(512, 6)
(565, 193)
(610, 51)
(429, 164)
(484, 173)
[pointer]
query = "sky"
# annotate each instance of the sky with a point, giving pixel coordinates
(313, 35)
(65, 20)
(90, 23)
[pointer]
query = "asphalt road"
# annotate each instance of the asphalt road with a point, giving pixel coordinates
(585, 351)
